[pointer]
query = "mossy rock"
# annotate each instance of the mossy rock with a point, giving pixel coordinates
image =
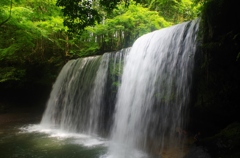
(226, 143)
(231, 131)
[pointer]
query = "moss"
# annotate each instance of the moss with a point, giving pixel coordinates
(231, 131)
(226, 143)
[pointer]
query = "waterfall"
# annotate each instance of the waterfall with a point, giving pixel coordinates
(137, 96)
(80, 101)
(153, 97)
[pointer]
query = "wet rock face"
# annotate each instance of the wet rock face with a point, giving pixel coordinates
(217, 83)
(226, 143)
(197, 152)
(223, 144)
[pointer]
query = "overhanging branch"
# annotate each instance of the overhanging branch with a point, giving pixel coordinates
(10, 14)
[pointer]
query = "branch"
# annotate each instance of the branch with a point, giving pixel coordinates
(10, 14)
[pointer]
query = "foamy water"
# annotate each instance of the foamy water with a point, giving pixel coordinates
(75, 138)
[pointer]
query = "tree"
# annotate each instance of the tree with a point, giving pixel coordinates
(78, 14)
(33, 37)
(119, 31)
(175, 11)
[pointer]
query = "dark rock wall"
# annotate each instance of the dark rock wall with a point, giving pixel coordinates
(216, 99)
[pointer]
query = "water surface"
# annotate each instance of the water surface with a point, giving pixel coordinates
(22, 137)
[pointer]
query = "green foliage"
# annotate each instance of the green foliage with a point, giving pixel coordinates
(31, 35)
(119, 31)
(115, 73)
(34, 37)
(11, 73)
(175, 11)
(3, 18)
(80, 14)
(116, 69)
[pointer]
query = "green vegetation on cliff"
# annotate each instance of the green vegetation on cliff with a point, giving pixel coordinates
(35, 44)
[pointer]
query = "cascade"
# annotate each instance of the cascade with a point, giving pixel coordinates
(152, 100)
(81, 101)
(136, 97)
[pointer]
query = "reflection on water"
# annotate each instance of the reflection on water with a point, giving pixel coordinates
(18, 141)
(19, 138)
